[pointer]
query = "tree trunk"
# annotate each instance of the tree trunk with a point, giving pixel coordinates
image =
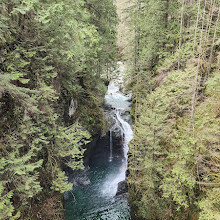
(197, 75)
(197, 21)
(212, 47)
(137, 69)
(181, 29)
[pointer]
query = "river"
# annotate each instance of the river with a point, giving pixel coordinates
(108, 166)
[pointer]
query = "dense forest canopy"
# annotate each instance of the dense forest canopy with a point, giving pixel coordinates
(174, 75)
(52, 54)
(55, 60)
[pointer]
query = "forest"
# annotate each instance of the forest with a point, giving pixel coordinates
(174, 72)
(51, 52)
(56, 61)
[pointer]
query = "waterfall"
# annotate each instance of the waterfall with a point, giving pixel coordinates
(110, 145)
(108, 163)
(119, 103)
(127, 133)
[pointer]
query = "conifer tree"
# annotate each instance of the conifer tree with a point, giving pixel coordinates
(173, 156)
(50, 54)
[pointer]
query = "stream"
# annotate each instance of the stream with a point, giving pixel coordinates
(108, 165)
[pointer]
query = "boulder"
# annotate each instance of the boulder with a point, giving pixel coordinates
(122, 188)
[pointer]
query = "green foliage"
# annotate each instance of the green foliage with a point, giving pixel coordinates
(60, 182)
(6, 207)
(208, 158)
(174, 161)
(70, 141)
(209, 205)
(51, 52)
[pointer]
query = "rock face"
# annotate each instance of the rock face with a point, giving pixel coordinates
(72, 107)
(116, 100)
(118, 77)
(90, 149)
(126, 115)
(102, 147)
(122, 188)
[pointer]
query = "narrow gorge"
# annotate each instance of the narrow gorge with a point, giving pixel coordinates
(109, 109)
(104, 195)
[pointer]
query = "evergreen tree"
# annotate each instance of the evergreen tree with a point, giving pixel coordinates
(173, 156)
(50, 54)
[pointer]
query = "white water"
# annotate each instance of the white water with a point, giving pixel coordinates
(119, 103)
(97, 200)
(127, 133)
(110, 145)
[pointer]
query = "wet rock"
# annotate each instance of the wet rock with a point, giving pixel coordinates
(122, 188)
(126, 116)
(106, 107)
(89, 149)
(72, 108)
(110, 117)
(102, 146)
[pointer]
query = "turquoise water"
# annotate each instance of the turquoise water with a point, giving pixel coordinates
(96, 201)
(108, 164)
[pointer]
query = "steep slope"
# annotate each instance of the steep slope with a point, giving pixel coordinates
(174, 75)
(52, 55)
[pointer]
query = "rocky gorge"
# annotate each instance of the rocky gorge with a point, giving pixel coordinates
(101, 189)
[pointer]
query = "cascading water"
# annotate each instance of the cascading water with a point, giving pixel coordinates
(127, 135)
(119, 103)
(108, 166)
(110, 145)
